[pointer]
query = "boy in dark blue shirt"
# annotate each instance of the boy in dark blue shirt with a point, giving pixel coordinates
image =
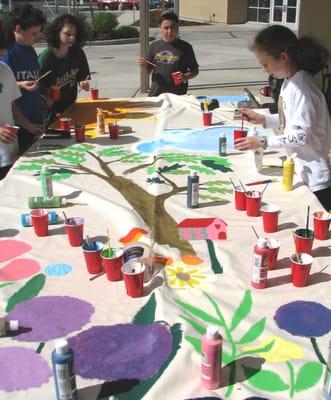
(27, 22)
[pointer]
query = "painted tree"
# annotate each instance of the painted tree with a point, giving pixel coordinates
(160, 170)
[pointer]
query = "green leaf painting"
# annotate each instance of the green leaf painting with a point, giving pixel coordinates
(199, 313)
(242, 311)
(265, 380)
(146, 315)
(308, 376)
(254, 332)
(27, 292)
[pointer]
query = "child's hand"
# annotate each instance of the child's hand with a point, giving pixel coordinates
(85, 85)
(31, 86)
(252, 116)
(142, 62)
(247, 143)
(7, 135)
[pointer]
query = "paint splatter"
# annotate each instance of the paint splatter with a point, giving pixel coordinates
(124, 351)
(22, 369)
(58, 269)
(133, 236)
(12, 248)
(304, 318)
(20, 268)
(191, 260)
(50, 317)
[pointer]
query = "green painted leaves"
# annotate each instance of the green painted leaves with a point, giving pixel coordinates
(308, 376)
(28, 291)
(242, 311)
(268, 381)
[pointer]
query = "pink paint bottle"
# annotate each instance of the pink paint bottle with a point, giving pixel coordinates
(211, 358)
(260, 264)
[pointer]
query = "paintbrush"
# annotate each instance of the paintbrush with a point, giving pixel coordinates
(234, 187)
(243, 186)
(150, 63)
(43, 76)
(261, 182)
(110, 250)
(258, 237)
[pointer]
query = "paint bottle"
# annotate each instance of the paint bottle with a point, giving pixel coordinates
(211, 358)
(193, 190)
(26, 219)
(100, 122)
(46, 182)
(288, 173)
(327, 379)
(8, 326)
(260, 264)
(222, 145)
(63, 369)
(257, 154)
(41, 202)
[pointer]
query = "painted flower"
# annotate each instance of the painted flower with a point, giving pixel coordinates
(281, 351)
(31, 371)
(304, 318)
(123, 351)
(182, 276)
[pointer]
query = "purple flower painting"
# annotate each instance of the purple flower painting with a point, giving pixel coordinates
(304, 318)
(22, 369)
(124, 351)
(50, 317)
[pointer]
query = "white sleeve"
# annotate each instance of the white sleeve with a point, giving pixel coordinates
(13, 89)
(272, 121)
(299, 121)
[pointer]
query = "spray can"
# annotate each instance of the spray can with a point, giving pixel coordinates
(100, 122)
(8, 326)
(260, 264)
(63, 369)
(288, 173)
(26, 218)
(193, 190)
(222, 145)
(327, 379)
(41, 202)
(211, 355)
(257, 154)
(46, 182)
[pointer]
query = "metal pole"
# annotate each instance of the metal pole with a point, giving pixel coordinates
(176, 7)
(144, 39)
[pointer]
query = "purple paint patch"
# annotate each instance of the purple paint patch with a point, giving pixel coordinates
(304, 318)
(22, 369)
(123, 351)
(50, 317)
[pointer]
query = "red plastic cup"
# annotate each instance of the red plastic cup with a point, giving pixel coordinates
(74, 228)
(321, 225)
(273, 245)
(92, 255)
(56, 93)
(303, 239)
(239, 133)
(39, 218)
(94, 93)
(65, 123)
(253, 203)
(112, 263)
(80, 133)
(207, 118)
(113, 131)
(270, 215)
(11, 128)
(300, 269)
(176, 77)
(239, 198)
(133, 274)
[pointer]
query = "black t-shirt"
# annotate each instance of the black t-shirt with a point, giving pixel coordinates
(169, 58)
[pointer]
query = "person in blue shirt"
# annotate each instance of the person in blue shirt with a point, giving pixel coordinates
(27, 23)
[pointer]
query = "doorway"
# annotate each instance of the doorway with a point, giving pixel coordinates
(285, 12)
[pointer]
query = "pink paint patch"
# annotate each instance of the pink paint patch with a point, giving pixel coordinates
(19, 269)
(12, 248)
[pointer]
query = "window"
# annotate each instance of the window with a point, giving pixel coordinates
(259, 10)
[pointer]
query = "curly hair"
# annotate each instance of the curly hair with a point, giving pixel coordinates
(7, 38)
(305, 52)
(53, 30)
(26, 16)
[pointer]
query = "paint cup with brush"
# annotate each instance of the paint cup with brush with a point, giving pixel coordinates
(133, 275)
(92, 254)
(240, 133)
(74, 228)
(304, 237)
(112, 261)
(239, 196)
(300, 268)
(207, 115)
